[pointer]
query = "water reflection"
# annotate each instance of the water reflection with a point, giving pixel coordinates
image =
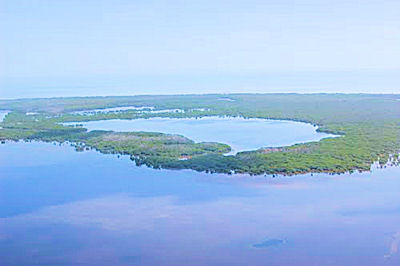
(394, 247)
(59, 206)
(240, 133)
(269, 243)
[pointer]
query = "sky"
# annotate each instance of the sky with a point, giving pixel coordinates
(118, 47)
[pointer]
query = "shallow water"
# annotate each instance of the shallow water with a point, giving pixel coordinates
(226, 99)
(3, 115)
(113, 110)
(240, 133)
(58, 206)
(163, 111)
(139, 109)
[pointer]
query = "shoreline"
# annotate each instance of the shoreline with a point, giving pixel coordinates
(368, 126)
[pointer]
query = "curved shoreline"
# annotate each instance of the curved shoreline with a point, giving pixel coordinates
(369, 127)
(202, 133)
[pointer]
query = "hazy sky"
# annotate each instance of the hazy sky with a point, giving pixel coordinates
(57, 47)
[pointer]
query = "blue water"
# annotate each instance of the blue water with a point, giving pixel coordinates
(58, 206)
(240, 133)
(362, 81)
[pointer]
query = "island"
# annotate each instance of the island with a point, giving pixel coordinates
(368, 126)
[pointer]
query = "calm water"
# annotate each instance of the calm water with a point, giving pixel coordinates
(241, 134)
(139, 109)
(365, 81)
(58, 206)
(3, 115)
(113, 110)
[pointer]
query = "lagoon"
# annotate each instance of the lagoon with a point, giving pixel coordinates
(240, 133)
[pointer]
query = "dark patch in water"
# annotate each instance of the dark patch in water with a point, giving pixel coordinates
(269, 243)
(131, 259)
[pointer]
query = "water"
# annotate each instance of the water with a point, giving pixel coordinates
(58, 206)
(163, 111)
(241, 134)
(141, 109)
(364, 81)
(113, 110)
(3, 115)
(226, 99)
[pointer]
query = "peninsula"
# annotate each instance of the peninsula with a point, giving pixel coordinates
(368, 125)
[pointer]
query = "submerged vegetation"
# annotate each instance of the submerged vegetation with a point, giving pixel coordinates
(369, 125)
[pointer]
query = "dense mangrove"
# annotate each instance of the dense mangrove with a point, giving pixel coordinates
(369, 126)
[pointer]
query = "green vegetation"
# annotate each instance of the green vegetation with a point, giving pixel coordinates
(370, 125)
